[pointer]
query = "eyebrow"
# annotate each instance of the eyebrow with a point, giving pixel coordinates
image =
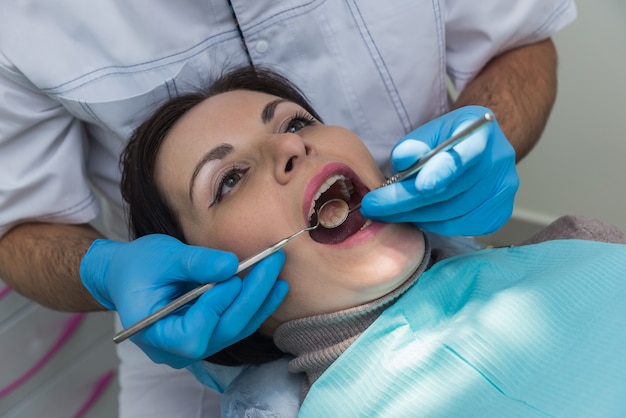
(222, 150)
(217, 153)
(269, 109)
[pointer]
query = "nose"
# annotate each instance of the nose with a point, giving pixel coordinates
(288, 151)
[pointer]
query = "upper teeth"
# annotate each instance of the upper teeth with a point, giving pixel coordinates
(346, 189)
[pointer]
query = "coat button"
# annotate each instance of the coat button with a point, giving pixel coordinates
(261, 47)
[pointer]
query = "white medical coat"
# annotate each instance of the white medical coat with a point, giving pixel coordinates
(76, 77)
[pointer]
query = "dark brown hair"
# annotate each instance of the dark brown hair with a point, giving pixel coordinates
(148, 212)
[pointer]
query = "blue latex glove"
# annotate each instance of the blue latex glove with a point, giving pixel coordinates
(468, 190)
(142, 276)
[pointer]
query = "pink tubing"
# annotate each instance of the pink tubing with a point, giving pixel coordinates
(69, 329)
(99, 388)
(4, 291)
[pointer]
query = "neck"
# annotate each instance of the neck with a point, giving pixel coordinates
(317, 341)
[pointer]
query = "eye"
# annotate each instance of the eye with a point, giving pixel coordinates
(231, 180)
(300, 121)
(227, 182)
(295, 126)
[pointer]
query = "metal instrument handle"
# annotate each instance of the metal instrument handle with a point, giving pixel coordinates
(444, 146)
(193, 294)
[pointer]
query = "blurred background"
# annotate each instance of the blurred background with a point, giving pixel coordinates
(579, 166)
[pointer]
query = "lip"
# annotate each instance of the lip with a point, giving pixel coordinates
(324, 174)
(314, 185)
(361, 236)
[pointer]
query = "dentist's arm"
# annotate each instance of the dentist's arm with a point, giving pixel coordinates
(41, 262)
(520, 87)
(471, 190)
(68, 267)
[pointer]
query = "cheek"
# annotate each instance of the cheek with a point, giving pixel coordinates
(345, 144)
(243, 228)
(239, 235)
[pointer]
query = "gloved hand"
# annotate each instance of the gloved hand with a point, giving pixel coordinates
(142, 276)
(468, 190)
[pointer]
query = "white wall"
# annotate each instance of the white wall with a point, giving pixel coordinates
(579, 166)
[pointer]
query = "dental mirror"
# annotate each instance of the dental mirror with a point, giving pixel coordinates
(333, 213)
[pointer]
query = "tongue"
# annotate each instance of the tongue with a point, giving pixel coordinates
(351, 226)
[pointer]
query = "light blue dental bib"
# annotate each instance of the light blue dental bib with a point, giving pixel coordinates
(533, 331)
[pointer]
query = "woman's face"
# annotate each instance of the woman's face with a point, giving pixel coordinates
(244, 169)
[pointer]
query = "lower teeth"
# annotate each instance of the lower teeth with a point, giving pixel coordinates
(367, 223)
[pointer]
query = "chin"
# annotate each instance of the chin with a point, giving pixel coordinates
(327, 278)
(396, 251)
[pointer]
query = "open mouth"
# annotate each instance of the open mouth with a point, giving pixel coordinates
(338, 186)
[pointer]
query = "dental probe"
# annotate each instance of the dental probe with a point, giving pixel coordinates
(191, 295)
(338, 205)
